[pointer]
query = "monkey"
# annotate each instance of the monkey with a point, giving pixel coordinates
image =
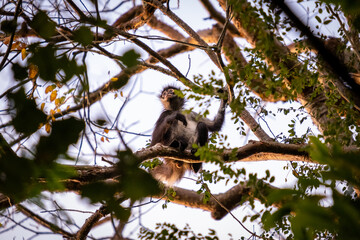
(180, 131)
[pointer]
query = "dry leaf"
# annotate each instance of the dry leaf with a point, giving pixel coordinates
(53, 95)
(47, 127)
(50, 88)
(42, 106)
(23, 53)
(33, 71)
(106, 130)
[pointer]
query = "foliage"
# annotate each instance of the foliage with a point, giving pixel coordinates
(57, 112)
(170, 231)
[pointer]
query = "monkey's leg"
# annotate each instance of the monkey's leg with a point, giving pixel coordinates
(201, 140)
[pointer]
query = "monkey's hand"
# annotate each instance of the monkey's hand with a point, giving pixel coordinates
(180, 117)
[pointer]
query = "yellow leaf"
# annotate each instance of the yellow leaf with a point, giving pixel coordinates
(106, 130)
(33, 71)
(116, 95)
(42, 106)
(57, 101)
(121, 94)
(49, 88)
(114, 79)
(47, 127)
(53, 95)
(23, 53)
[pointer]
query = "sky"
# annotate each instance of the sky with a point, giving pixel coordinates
(139, 115)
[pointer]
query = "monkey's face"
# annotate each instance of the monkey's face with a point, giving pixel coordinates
(167, 94)
(170, 100)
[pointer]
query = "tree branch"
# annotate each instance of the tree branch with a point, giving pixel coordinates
(43, 222)
(90, 222)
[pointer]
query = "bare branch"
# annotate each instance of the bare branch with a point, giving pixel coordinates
(90, 222)
(165, 28)
(219, 18)
(223, 203)
(187, 29)
(43, 222)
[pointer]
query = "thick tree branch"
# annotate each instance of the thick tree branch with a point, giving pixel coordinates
(229, 199)
(134, 18)
(90, 222)
(251, 152)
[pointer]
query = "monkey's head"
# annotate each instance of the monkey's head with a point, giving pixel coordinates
(170, 100)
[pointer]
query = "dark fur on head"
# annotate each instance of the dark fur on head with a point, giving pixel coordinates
(170, 100)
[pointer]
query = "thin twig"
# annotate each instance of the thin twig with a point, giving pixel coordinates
(186, 28)
(43, 222)
(12, 35)
(229, 212)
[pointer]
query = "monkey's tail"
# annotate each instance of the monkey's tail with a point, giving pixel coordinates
(170, 171)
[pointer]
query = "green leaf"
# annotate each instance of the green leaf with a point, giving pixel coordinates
(69, 67)
(8, 26)
(43, 25)
(44, 58)
(63, 134)
(49, 65)
(130, 58)
(99, 191)
(28, 117)
(83, 35)
(20, 73)
(135, 182)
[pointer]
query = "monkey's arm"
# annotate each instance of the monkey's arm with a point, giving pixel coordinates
(216, 124)
(162, 131)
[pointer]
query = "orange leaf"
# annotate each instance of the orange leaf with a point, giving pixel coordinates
(33, 71)
(50, 88)
(47, 127)
(53, 95)
(42, 106)
(23, 53)
(106, 130)
(102, 139)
